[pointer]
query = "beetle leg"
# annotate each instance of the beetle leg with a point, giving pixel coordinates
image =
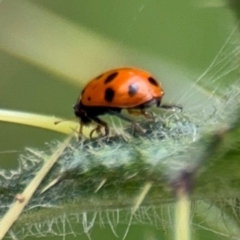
(100, 125)
(80, 130)
(118, 114)
(97, 129)
(147, 114)
(171, 107)
(134, 112)
(143, 112)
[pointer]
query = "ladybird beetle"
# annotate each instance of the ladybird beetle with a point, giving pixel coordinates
(124, 88)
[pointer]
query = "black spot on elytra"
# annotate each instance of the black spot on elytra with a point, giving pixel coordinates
(109, 94)
(89, 98)
(132, 89)
(153, 81)
(110, 77)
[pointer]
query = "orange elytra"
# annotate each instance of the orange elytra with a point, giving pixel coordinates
(124, 88)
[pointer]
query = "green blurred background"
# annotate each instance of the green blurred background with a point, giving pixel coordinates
(50, 48)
